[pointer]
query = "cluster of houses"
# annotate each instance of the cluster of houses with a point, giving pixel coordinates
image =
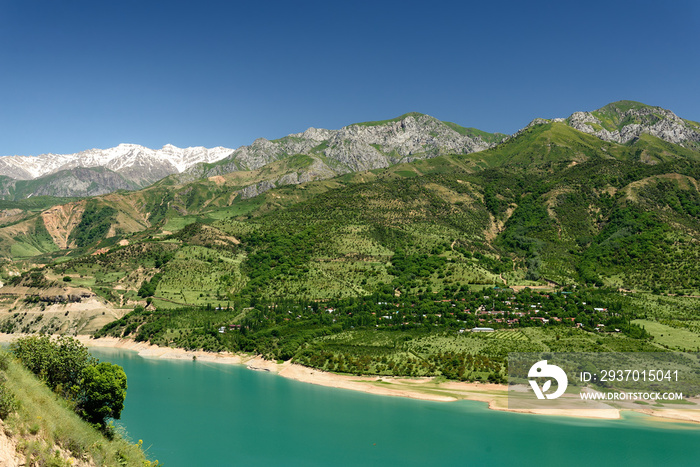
(476, 313)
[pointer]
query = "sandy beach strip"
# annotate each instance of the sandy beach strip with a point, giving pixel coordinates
(495, 395)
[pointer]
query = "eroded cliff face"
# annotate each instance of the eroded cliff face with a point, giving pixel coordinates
(61, 220)
(361, 147)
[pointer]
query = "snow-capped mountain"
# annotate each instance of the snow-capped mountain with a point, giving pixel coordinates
(134, 162)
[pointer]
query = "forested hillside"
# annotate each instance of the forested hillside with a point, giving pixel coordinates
(259, 266)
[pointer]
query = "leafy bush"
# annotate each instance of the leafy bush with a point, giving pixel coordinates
(148, 288)
(59, 363)
(4, 361)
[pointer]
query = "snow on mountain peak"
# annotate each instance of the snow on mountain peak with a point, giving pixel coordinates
(122, 157)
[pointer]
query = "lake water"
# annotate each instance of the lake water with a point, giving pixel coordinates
(205, 414)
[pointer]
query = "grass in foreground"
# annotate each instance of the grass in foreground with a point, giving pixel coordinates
(50, 433)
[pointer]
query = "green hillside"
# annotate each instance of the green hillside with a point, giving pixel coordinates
(474, 132)
(216, 264)
(551, 203)
(612, 115)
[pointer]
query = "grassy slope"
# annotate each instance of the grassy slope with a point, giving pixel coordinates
(551, 143)
(44, 424)
(474, 132)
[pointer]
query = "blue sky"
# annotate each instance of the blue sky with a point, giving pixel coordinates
(81, 74)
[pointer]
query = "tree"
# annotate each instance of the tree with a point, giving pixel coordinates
(58, 362)
(64, 364)
(103, 390)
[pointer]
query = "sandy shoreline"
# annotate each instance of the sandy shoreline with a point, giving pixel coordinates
(416, 388)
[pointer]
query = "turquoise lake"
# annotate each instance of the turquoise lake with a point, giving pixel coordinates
(191, 413)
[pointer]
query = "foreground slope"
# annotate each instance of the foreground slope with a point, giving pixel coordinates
(45, 431)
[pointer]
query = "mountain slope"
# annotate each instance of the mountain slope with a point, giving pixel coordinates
(551, 202)
(624, 121)
(361, 146)
(77, 182)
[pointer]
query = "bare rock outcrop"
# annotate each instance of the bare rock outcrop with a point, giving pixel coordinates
(622, 126)
(357, 147)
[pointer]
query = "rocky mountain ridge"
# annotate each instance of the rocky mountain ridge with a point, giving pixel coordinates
(623, 121)
(362, 146)
(76, 182)
(353, 148)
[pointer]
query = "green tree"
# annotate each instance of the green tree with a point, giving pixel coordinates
(59, 362)
(103, 391)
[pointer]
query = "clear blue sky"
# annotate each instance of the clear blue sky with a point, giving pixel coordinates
(81, 74)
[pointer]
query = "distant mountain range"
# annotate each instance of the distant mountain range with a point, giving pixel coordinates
(124, 158)
(356, 147)
(606, 197)
(97, 171)
(415, 136)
